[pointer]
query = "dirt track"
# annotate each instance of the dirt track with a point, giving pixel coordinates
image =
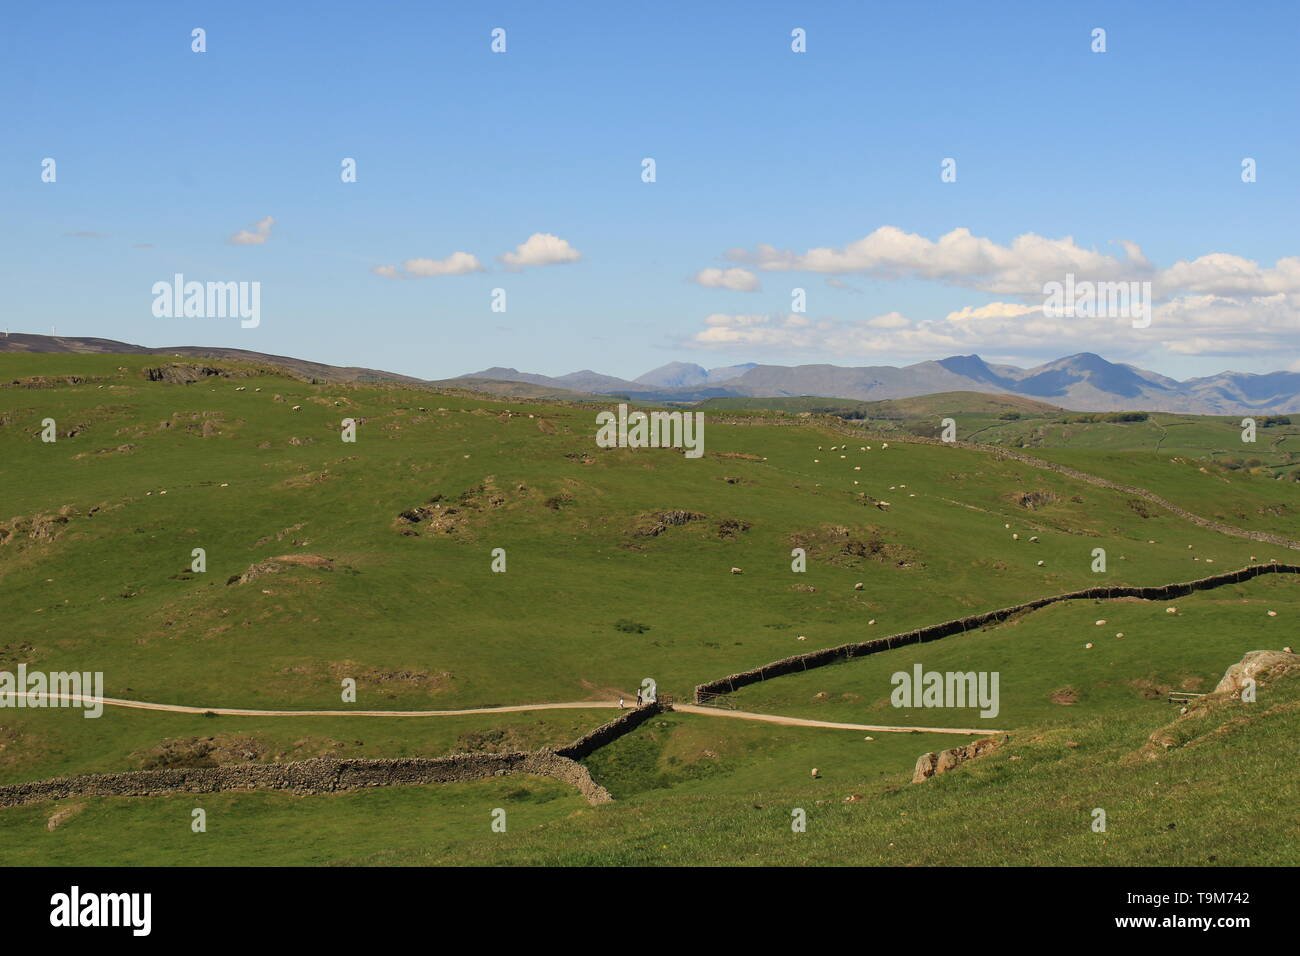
(513, 708)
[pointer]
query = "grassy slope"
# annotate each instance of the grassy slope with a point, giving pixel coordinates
(1226, 796)
(110, 593)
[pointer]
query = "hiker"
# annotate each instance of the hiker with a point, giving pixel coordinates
(620, 703)
(638, 698)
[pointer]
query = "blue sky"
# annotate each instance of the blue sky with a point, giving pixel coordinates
(164, 154)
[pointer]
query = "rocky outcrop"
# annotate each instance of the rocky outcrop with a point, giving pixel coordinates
(182, 374)
(1258, 666)
(929, 764)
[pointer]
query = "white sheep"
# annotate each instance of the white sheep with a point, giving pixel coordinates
(737, 571)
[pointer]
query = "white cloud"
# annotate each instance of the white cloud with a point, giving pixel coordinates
(1217, 304)
(956, 258)
(736, 279)
(261, 231)
(1188, 325)
(1224, 274)
(993, 310)
(456, 264)
(541, 249)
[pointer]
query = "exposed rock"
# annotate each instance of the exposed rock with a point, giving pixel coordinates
(181, 374)
(929, 764)
(1256, 665)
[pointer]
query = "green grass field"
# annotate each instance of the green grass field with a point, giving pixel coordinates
(98, 528)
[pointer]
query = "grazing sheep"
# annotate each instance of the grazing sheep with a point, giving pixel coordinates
(1288, 649)
(1171, 610)
(1033, 537)
(1088, 646)
(1041, 563)
(815, 774)
(297, 408)
(801, 638)
(870, 622)
(1101, 622)
(1120, 634)
(858, 587)
(1272, 613)
(1015, 537)
(737, 571)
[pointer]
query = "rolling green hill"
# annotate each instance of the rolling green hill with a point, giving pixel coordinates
(373, 561)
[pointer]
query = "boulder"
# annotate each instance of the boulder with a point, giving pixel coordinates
(1253, 665)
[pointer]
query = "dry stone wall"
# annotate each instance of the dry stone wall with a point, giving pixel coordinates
(328, 775)
(829, 655)
(324, 775)
(608, 733)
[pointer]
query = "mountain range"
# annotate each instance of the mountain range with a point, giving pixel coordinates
(1083, 382)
